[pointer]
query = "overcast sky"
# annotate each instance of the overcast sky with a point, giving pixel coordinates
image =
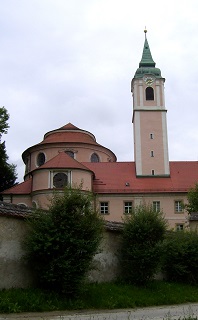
(73, 60)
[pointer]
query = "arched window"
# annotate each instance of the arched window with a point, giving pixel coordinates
(27, 164)
(40, 159)
(70, 153)
(22, 205)
(95, 157)
(149, 93)
(34, 204)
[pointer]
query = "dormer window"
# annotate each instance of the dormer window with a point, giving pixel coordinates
(149, 93)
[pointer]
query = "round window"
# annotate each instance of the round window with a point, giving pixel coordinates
(60, 180)
(40, 159)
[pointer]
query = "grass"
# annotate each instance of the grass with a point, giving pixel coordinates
(183, 318)
(98, 296)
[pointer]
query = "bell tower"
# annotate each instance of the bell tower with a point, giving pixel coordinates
(149, 118)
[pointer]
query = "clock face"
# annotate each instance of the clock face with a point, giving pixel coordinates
(149, 80)
(60, 180)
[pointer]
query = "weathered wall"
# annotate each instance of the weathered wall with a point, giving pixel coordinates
(106, 263)
(14, 271)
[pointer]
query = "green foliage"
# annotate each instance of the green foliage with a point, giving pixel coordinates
(180, 262)
(4, 117)
(62, 241)
(8, 174)
(143, 233)
(7, 171)
(98, 296)
(192, 197)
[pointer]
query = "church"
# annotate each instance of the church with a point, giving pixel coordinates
(70, 156)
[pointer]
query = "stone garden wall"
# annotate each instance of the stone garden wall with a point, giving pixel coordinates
(14, 272)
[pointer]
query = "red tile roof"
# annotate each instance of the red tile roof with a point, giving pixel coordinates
(69, 126)
(69, 133)
(62, 160)
(119, 177)
(69, 136)
(21, 188)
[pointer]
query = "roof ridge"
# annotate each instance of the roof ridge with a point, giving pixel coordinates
(68, 126)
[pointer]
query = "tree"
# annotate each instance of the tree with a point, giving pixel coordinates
(61, 242)
(142, 236)
(192, 197)
(180, 257)
(4, 117)
(7, 171)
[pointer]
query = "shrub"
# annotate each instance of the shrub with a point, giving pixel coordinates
(143, 233)
(180, 261)
(62, 241)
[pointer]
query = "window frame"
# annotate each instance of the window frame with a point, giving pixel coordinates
(178, 225)
(52, 173)
(178, 206)
(104, 207)
(149, 94)
(156, 205)
(128, 207)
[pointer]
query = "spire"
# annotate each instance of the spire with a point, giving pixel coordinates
(147, 65)
(147, 60)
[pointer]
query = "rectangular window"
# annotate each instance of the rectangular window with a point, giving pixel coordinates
(127, 207)
(178, 206)
(152, 153)
(156, 206)
(179, 227)
(104, 207)
(153, 172)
